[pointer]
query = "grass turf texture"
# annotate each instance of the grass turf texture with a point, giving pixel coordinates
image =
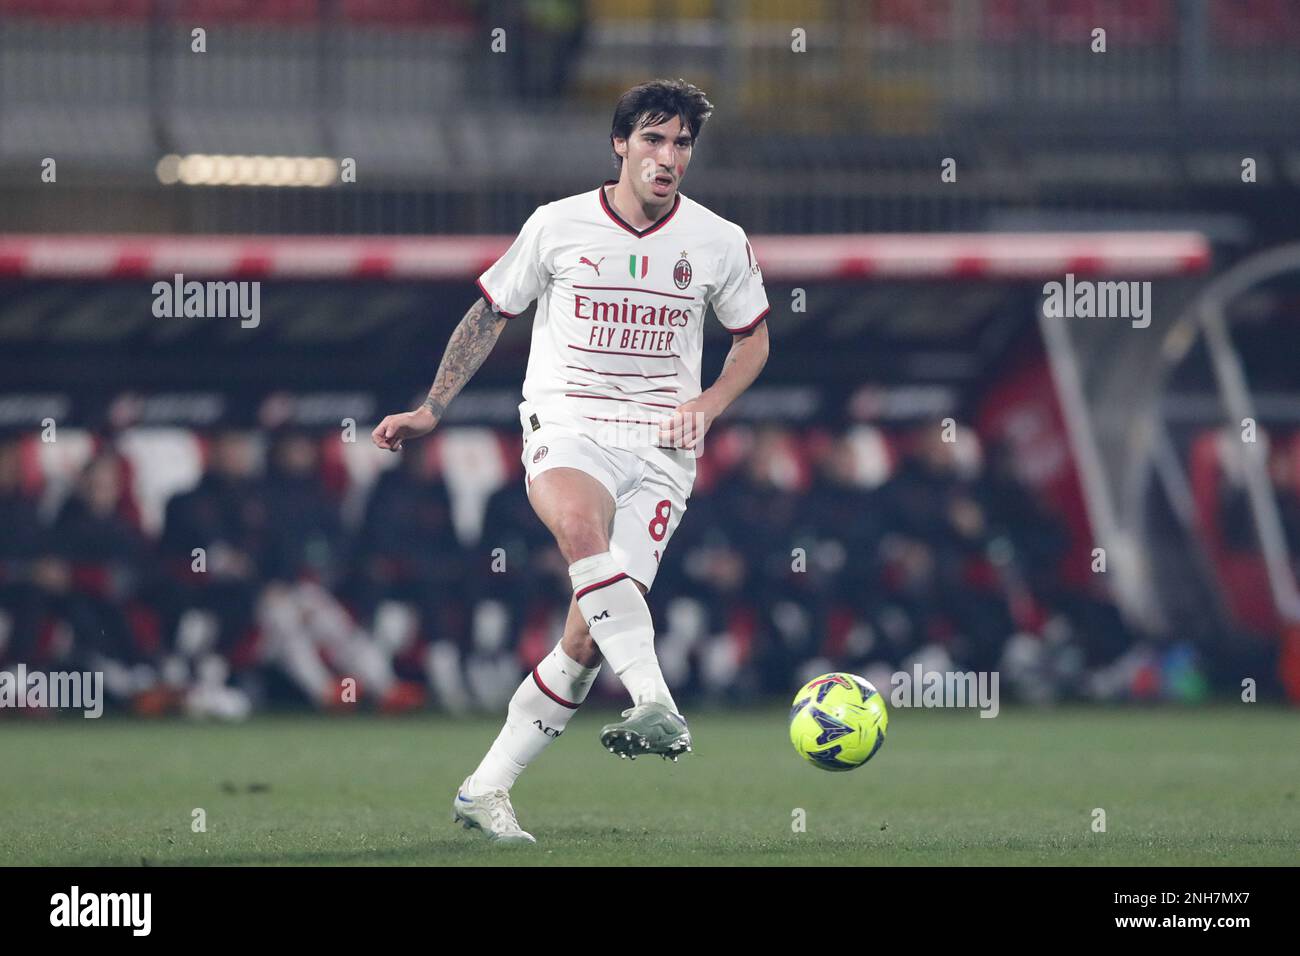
(1194, 786)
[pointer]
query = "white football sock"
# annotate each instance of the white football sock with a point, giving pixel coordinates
(620, 624)
(538, 713)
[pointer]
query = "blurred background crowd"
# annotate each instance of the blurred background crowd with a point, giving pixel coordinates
(184, 506)
(281, 571)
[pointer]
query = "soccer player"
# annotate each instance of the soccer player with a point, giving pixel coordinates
(613, 417)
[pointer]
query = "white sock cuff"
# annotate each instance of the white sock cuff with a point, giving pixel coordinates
(579, 671)
(595, 569)
(563, 680)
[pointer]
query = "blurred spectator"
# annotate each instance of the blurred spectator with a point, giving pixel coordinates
(304, 530)
(512, 531)
(225, 516)
(112, 568)
(412, 576)
(787, 563)
(935, 552)
(32, 577)
(407, 549)
(765, 517)
(306, 630)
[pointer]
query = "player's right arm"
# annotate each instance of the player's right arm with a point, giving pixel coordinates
(514, 280)
(470, 343)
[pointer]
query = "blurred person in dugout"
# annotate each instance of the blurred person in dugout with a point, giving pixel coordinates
(306, 631)
(224, 516)
(935, 531)
(32, 576)
(110, 579)
(407, 554)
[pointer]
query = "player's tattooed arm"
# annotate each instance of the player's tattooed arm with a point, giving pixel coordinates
(470, 343)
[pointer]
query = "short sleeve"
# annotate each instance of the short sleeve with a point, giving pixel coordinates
(520, 275)
(741, 301)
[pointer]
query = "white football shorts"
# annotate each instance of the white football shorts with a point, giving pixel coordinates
(649, 500)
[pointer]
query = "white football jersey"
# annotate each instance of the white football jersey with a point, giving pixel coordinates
(619, 329)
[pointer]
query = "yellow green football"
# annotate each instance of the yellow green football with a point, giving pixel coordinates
(838, 721)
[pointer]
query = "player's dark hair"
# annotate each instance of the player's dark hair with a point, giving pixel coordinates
(657, 102)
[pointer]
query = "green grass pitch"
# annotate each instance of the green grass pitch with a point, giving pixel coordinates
(1179, 786)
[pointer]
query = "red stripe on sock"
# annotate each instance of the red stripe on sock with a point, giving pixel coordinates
(600, 584)
(551, 694)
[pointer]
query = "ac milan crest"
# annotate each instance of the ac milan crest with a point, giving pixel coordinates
(682, 273)
(539, 454)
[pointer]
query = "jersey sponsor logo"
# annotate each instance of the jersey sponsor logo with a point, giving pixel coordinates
(630, 313)
(539, 454)
(584, 261)
(632, 265)
(682, 273)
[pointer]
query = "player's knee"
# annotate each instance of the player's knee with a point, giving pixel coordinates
(579, 536)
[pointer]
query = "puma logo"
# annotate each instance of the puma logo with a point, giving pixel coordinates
(584, 261)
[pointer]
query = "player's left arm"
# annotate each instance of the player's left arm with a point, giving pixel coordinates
(691, 420)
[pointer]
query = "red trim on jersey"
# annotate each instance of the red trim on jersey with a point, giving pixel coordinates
(636, 374)
(551, 694)
(761, 316)
(618, 220)
(633, 421)
(492, 302)
(670, 355)
(632, 288)
(611, 399)
(599, 584)
(648, 391)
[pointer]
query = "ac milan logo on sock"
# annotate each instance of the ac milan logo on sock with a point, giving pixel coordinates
(539, 455)
(682, 273)
(549, 731)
